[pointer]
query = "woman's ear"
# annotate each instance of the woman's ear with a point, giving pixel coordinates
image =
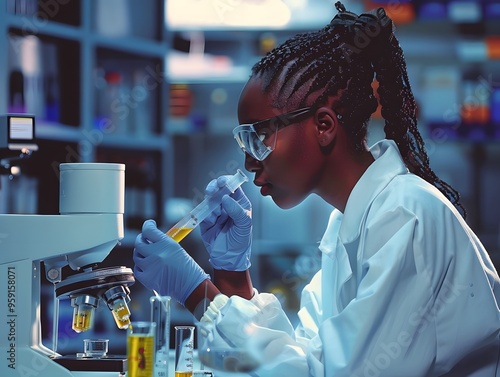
(326, 125)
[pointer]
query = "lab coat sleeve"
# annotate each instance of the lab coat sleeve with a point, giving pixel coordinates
(261, 326)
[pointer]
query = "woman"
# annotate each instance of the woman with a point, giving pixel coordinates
(405, 288)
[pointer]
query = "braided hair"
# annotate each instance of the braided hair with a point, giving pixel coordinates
(340, 61)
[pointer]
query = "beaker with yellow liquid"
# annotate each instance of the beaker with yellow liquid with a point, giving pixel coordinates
(140, 349)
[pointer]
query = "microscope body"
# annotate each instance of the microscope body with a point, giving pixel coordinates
(88, 228)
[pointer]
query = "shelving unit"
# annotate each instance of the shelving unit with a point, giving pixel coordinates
(95, 85)
(92, 73)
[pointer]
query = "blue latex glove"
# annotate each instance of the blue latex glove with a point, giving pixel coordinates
(227, 231)
(163, 265)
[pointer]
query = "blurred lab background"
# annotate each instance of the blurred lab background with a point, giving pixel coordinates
(154, 84)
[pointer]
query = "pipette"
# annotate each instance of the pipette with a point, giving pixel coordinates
(205, 208)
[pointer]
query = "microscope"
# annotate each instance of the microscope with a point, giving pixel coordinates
(89, 226)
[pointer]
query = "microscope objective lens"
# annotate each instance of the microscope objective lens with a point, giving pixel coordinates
(83, 312)
(82, 319)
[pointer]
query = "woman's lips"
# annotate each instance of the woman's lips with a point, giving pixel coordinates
(265, 188)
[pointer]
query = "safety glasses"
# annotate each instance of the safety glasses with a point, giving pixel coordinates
(259, 139)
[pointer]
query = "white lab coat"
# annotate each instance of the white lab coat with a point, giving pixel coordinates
(405, 289)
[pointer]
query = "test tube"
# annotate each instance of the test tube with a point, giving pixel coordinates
(160, 314)
(202, 210)
(184, 343)
(83, 312)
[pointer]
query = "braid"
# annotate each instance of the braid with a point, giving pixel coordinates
(330, 60)
(399, 112)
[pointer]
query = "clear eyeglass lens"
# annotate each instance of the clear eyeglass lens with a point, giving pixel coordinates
(257, 145)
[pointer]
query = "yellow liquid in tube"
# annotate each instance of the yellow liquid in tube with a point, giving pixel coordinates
(82, 321)
(178, 234)
(183, 374)
(140, 355)
(121, 314)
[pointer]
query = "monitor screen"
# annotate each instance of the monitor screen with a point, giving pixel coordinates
(21, 128)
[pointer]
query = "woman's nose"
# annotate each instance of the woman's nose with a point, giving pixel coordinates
(251, 164)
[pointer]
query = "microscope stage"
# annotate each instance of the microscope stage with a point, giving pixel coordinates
(108, 363)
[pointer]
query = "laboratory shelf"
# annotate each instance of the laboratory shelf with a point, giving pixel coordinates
(131, 45)
(243, 34)
(236, 77)
(57, 131)
(146, 143)
(36, 26)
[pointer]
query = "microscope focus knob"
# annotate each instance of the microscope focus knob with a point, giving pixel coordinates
(54, 275)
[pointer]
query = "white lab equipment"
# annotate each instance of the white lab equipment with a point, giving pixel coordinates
(88, 227)
(202, 210)
(241, 353)
(228, 359)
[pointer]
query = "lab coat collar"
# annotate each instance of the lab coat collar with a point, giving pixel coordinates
(388, 164)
